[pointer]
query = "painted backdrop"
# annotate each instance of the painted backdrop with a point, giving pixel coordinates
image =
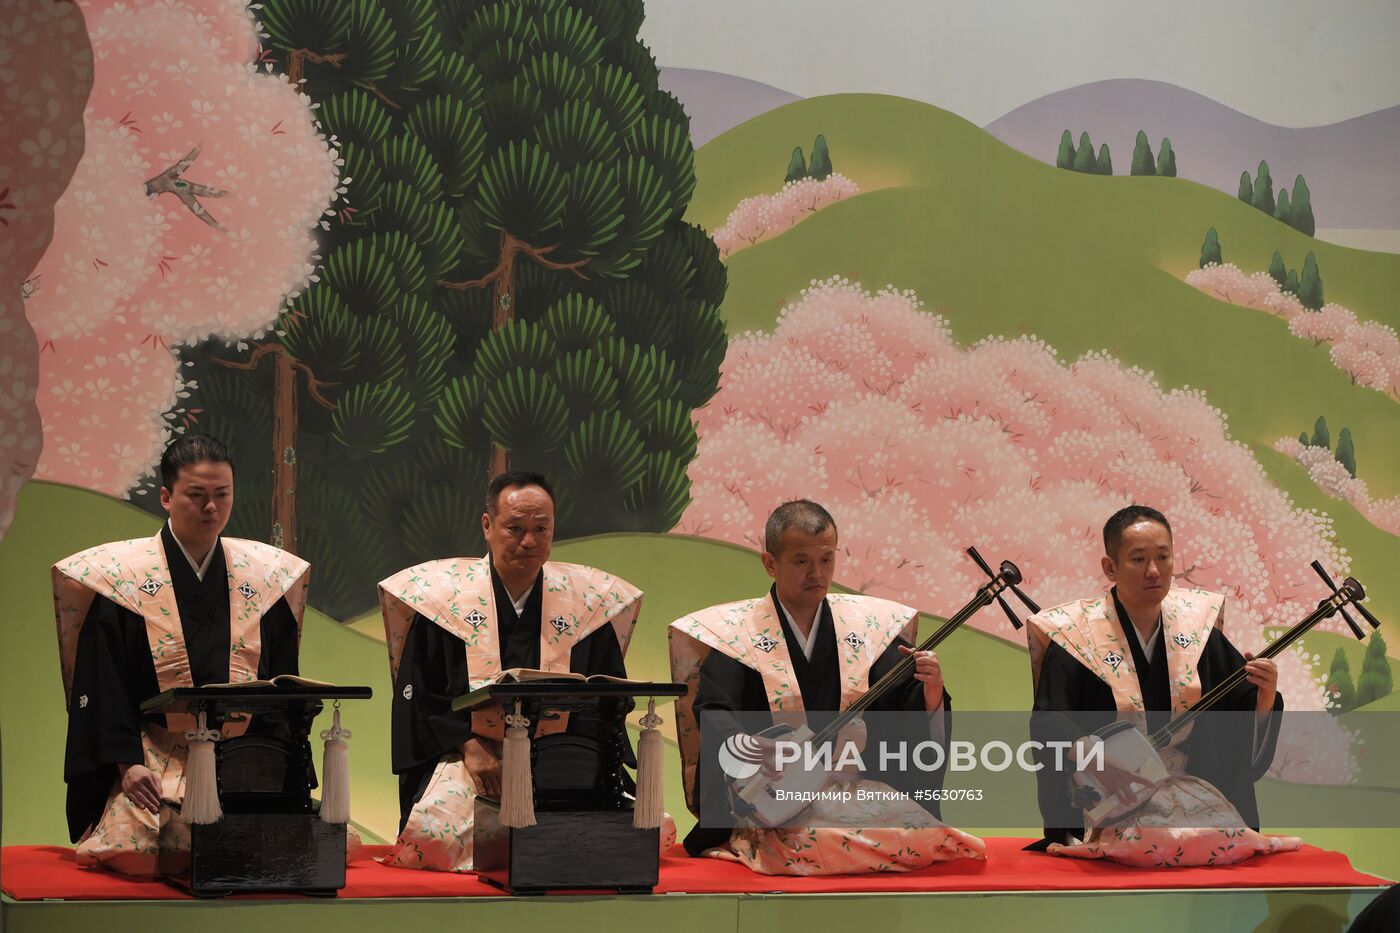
(968, 274)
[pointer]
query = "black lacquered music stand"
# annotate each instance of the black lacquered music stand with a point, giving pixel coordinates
(271, 837)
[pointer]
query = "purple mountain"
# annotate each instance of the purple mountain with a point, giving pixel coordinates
(718, 102)
(1349, 166)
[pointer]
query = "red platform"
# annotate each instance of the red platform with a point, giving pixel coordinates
(30, 873)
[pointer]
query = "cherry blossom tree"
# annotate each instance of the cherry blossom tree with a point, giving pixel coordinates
(191, 215)
(766, 215)
(45, 77)
(1313, 748)
(1333, 478)
(1368, 351)
(920, 447)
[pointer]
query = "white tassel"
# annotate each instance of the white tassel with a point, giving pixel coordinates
(650, 807)
(335, 772)
(517, 783)
(201, 803)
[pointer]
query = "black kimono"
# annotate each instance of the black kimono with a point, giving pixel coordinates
(1071, 701)
(433, 672)
(113, 674)
(726, 685)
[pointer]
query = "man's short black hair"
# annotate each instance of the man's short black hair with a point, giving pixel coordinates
(1121, 519)
(189, 450)
(803, 514)
(511, 479)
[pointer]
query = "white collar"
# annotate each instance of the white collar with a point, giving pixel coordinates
(519, 604)
(806, 642)
(1151, 641)
(201, 568)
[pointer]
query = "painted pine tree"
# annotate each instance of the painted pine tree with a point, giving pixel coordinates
(512, 283)
(1064, 158)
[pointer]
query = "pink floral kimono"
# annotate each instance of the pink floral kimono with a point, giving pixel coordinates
(1187, 822)
(134, 574)
(854, 837)
(457, 595)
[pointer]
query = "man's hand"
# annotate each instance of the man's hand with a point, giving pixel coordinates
(140, 786)
(928, 672)
(852, 733)
(1110, 777)
(483, 766)
(1263, 673)
(768, 749)
(1083, 748)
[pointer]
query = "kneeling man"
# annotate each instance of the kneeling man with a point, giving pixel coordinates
(800, 650)
(185, 608)
(452, 626)
(1144, 652)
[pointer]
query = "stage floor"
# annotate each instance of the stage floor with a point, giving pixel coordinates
(1312, 889)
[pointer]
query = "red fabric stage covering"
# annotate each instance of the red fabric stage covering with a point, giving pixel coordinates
(39, 872)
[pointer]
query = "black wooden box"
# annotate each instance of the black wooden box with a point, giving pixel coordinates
(244, 852)
(566, 849)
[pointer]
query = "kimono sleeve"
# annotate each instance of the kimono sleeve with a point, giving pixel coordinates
(281, 638)
(112, 675)
(432, 672)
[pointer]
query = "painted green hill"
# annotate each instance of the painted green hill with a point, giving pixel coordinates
(1006, 245)
(882, 142)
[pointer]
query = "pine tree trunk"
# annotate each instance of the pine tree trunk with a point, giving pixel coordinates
(284, 453)
(502, 312)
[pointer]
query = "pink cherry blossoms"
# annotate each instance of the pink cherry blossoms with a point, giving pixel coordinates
(767, 215)
(45, 76)
(1332, 478)
(1368, 351)
(192, 215)
(1314, 748)
(920, 447)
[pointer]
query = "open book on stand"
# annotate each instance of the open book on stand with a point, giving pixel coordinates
(281, 680)
(525, 675)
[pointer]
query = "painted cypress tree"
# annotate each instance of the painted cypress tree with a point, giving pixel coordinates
(1246, 188)
(1346, 452)
(1321, 436)
(1065, 157)
(1302, 216)
(513, 283)
(1084, 155)
(820, 165)
(1166, 159)
(1277, 270)
(1290, 284)
(1210, 249)
(1376, 678)
(1339, 684)
(1264, 190)
(797, 166)
(1103, 165)
(1282, 212)
(1142, 157)
(1310, 285)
